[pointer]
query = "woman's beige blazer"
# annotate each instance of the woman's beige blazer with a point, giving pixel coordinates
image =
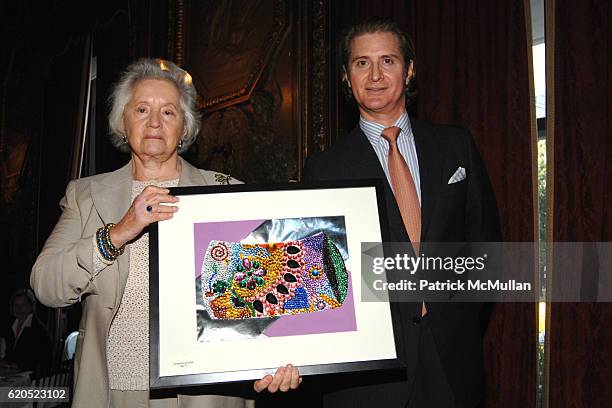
(63, 273)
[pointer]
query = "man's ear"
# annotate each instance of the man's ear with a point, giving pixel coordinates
(345, 76)
(410, 72)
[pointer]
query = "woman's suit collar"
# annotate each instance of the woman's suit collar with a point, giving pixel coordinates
(190, 175)
(112, 192)
(112, 195)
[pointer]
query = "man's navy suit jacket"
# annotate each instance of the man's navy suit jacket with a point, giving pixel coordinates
(465, 211)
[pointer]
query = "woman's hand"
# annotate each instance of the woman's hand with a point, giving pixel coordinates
(137, 217)
(284, 379)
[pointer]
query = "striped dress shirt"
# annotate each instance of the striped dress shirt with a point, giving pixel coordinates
(405, 143)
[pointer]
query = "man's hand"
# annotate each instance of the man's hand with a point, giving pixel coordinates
(284, 379)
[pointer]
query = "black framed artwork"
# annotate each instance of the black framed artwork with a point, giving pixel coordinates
(244, 279)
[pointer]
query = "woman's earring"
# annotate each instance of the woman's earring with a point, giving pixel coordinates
(180, 144)
(124, 139)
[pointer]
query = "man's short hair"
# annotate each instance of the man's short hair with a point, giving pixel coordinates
(378, 25)
(26, 294)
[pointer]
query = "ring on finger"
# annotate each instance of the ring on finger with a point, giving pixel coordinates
(149, 209)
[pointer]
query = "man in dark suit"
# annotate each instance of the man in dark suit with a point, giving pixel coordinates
(437, 190)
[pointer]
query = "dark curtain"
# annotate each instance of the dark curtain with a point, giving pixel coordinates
(581, 333)
(472, 69)
(41, 87)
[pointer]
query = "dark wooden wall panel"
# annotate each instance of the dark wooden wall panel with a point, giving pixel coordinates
(251, 64)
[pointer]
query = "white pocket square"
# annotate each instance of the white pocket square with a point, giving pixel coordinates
(458, 176)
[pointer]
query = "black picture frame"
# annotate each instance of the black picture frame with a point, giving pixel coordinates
(346, 198)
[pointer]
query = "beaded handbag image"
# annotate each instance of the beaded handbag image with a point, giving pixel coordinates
(243, 281)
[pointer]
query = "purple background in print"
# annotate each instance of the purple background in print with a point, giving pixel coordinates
(327, 321)
(205, 232)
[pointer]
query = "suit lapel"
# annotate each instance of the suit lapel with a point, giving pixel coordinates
(112, 193)
(112, 196)
(360, 161)
(364, 164)
(429, 173)
(190, 176)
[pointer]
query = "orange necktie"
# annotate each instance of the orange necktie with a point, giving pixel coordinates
(405, 192)
(404, 188)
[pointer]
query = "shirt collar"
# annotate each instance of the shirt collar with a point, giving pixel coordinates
(373, 130)
(26, 323)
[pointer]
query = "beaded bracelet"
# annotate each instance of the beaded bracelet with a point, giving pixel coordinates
(105, 246)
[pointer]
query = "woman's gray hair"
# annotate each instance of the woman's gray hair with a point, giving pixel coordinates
(147, 68)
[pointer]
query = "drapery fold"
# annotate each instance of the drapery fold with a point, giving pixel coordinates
(580, 135)
(473, 69)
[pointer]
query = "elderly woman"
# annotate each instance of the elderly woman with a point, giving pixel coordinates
(98, 251)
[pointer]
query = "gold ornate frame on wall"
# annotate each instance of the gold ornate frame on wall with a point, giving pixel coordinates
(261, 69)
